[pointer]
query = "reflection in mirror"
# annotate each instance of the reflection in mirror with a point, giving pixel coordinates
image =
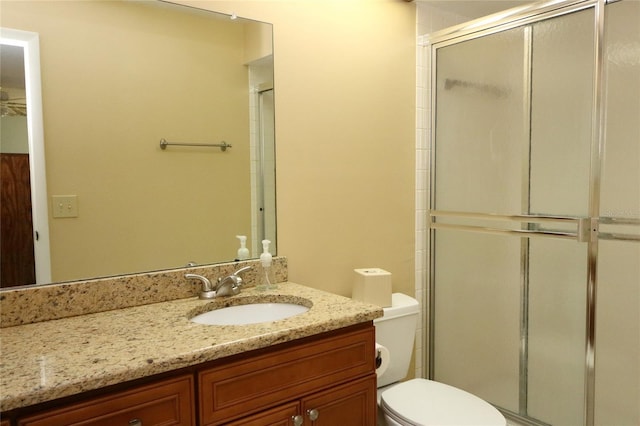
(117, 77)
(24, 227)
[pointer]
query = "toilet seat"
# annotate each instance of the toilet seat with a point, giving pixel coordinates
(421, 402)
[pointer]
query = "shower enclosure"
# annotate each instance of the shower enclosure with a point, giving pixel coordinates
(534, 283)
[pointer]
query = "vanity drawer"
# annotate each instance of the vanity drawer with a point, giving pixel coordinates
(168, 402)
(254, 384)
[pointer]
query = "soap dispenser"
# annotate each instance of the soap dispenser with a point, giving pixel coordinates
(243, 251)
(267, 279)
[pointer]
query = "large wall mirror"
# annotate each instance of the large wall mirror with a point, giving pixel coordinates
(117, 77)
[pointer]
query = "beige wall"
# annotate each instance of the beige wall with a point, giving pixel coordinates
(345, 136)
(258, 42)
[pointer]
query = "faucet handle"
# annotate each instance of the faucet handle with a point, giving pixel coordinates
(206, 284)
(207, 288)
(241, 270)
(237, 279)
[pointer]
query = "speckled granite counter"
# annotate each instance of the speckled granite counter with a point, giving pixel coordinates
(48, 360)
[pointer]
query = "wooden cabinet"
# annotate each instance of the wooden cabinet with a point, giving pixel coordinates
(353, 404)
(168, 402)
(326, 380)
(346, 405)
(308, 373)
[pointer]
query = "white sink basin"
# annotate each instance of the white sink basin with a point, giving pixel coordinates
(250, 314)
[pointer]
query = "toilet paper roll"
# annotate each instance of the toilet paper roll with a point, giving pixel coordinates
(382, 359)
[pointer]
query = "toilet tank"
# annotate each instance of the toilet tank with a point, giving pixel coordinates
(396, 331)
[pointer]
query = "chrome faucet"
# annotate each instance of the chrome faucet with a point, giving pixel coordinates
(230, 285)
(225, 286)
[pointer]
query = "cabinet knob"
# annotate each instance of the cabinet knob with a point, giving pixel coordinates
(313, 414)
(135, 422)
(297, 420)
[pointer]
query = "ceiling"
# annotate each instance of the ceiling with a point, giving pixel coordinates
(474, 8)
(11, 66)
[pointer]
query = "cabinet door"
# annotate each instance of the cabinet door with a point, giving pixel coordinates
(252, 385)
(283, 415)
(353, 404)
(168, 402)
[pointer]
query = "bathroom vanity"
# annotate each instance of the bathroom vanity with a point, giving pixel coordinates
(329, 378)
(150, 364)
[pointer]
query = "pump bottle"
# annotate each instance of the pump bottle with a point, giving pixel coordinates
(267, 279)
(243, 251)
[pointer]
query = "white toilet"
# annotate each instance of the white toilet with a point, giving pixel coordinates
(420, 402)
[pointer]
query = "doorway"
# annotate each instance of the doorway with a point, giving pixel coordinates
(25, 228)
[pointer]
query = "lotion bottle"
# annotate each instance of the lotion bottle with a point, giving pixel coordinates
(267, 280)
(243, 251)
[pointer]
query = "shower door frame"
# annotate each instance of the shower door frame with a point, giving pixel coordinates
(586, 228)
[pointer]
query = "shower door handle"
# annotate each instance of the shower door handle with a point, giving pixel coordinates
(456, 220)
(619, 222)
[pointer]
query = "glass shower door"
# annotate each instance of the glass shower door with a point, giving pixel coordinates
(482, 140)
(511, 196)
(562, 80)
(617, 379)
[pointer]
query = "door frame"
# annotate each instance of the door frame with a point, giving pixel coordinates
(30, 42)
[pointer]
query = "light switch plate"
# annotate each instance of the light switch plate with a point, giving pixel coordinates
(64, 205)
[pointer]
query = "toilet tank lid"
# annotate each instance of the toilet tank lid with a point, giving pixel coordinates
(425, 402)
(401, 305)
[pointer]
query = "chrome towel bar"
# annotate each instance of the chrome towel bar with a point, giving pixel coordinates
(223, 146)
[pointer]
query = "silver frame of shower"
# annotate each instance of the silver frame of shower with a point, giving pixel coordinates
(523, 386)
(260, 172)
(597, 148)
(489, 25)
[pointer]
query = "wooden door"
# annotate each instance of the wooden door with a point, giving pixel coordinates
(16, 225)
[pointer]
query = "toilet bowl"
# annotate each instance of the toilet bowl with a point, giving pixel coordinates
(420, 402)
(425, 402)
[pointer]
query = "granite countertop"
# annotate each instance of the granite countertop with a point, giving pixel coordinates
(52, 359)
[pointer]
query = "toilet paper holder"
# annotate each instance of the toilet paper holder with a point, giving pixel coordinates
(378, 358)
(383, 359)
